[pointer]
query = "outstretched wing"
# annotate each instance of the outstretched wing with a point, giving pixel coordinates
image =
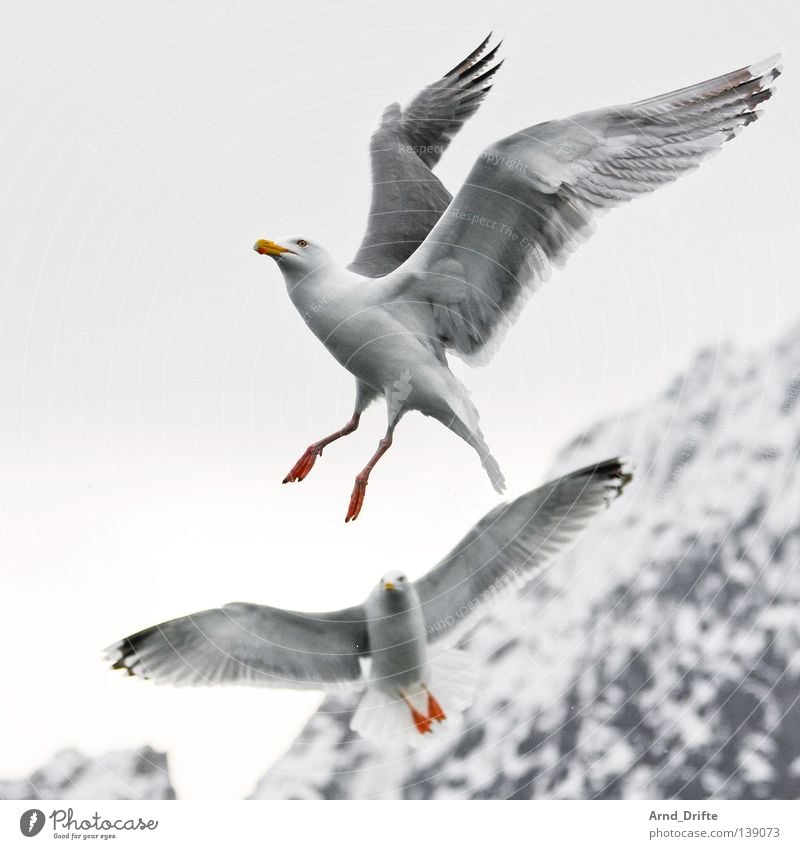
(249, 644)
(530, 199)
(439, 111)
(407, 199)
(511, 545)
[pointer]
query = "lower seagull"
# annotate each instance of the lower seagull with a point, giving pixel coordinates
(399, 645)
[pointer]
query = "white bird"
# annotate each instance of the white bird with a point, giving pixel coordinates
(435, 275)
(398, 645)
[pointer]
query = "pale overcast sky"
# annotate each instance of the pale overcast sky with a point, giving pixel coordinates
(157, 383)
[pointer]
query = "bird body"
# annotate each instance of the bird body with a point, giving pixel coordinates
(396, 630)
(403, 678)
(437, 274)
(346, 314)
(383, 342)
(399, 646)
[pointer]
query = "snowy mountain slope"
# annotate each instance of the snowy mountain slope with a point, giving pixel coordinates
(661, 657)
(128, 774)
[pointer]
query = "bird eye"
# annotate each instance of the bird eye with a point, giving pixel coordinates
(302, 243)
(401, 578)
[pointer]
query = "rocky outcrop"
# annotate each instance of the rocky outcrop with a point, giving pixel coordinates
(129, 774)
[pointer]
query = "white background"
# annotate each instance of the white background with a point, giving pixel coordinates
(156, 383)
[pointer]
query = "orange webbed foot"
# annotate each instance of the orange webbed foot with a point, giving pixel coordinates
(435, 711)
(422, 723)
(304, 465)
(357, 499)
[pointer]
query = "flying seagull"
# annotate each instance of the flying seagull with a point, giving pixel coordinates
(435, 275)
(398, 646)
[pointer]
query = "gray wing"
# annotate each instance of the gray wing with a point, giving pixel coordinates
(511, 545)
(407, 199)
(249, 644)
(530, 200)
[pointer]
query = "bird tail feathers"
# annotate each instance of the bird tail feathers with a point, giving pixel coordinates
(425, 713)
(466, 423)
(490, 465)
(492, 468)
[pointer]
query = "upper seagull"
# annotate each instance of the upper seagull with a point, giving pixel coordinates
(435, 274)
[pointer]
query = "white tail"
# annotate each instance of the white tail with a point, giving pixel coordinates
(466, 424)
(387, 719)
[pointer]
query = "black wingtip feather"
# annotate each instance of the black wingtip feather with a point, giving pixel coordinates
(487, 75)
(619, 469)
(476, 67)
(471, 59)
(129, 653)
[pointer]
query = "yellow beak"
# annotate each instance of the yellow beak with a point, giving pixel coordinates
(265, 246)
(388, 585)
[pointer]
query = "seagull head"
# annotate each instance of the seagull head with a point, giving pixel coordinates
(393, 582)
(394, 593)
(296, 256)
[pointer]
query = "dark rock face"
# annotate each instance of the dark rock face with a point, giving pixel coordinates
(137, 774)
(659, 658)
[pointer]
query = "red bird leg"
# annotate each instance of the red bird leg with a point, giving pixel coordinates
(362, 479)
(435, 711)
(422, 723)
(306, 463)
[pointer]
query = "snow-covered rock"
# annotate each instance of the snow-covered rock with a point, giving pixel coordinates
(128, 774)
